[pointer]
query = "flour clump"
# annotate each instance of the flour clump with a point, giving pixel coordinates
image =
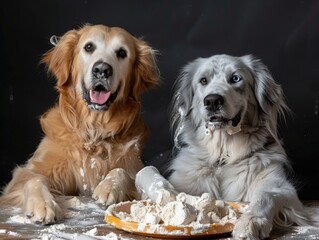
(178, 213)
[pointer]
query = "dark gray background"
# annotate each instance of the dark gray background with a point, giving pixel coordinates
(284, 34)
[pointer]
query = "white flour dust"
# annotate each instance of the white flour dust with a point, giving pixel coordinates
(82, 218)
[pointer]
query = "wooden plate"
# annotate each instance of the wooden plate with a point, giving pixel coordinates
(167, 231)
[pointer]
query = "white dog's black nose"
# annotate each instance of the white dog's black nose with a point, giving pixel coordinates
(213, 102)
(102, 70)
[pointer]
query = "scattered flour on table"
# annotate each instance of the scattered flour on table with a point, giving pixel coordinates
(91, 232)
(55, 228)
(306, 232)
(112, 236)
(73, 202)
(19, 219)
(10, 233)
(303, 229)
(80, 222)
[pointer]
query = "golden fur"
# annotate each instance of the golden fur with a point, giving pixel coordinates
(87, 151)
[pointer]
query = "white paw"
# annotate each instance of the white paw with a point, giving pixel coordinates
(251, 227)
(113, 188)
(40, 206)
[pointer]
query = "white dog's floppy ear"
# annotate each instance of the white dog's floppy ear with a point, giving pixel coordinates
(181, 104)
(268, 93)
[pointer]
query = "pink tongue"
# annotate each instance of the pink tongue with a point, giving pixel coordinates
(99, 97)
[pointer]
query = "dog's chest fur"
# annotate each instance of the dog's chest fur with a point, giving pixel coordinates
(220, 163)
(100, 158)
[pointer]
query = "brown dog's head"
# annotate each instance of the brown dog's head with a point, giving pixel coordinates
(102, 65)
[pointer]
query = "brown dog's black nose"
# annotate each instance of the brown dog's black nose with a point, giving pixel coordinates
(102, 70)
(213, 102)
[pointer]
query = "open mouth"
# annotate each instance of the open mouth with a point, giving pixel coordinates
(99, 97)
(219, 121)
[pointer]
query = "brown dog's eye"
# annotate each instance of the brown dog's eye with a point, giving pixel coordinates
(89, 47)
(203, 81)
(121, 53)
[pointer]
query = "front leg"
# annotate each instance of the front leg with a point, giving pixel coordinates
(256, 223)
(267, 198)
(40, 205)
(31, 191)
(192, 175)
(117, 186)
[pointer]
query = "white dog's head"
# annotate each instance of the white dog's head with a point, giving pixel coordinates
(224, 90)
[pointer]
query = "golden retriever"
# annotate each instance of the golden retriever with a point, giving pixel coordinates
(94, 134)
(224, 119)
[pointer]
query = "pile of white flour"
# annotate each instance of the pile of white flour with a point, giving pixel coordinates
(163, 205)
(185, 210)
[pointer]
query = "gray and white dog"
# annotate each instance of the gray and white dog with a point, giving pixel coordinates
(224, 119)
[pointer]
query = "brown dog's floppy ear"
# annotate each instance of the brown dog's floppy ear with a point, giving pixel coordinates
(59, 58)
(146, 71)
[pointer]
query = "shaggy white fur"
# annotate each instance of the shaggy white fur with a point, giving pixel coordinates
(224, 119)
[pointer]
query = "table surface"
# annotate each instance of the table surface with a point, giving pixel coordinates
(84, 220)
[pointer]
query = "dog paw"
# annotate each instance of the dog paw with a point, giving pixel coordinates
(40, 206)
(251, 227)
(113, 188)
(42, 211)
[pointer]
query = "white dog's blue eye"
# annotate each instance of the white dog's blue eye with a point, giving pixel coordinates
(235, 78)
(203, 81)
